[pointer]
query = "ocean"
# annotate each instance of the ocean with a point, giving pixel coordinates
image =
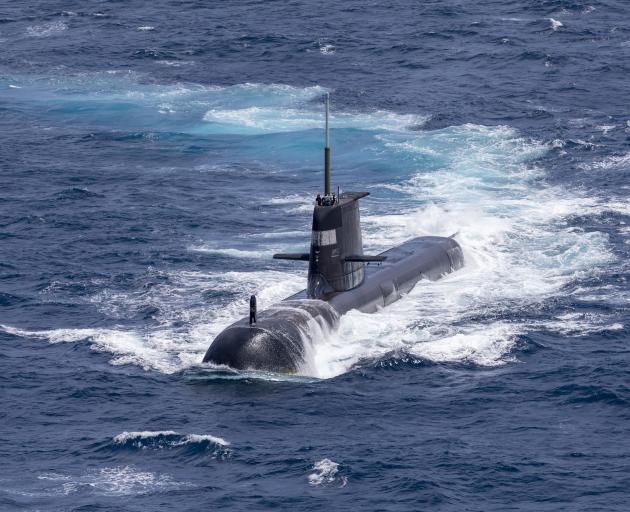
(155, 155)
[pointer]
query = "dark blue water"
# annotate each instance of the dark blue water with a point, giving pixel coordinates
(154, 155)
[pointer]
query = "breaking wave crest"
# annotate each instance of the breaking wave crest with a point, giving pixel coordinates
(167, 439)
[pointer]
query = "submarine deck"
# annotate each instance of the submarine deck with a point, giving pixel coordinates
(395, 255)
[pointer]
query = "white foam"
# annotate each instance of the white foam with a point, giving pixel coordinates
(46, 29)
(283, 235)
(291, 199)
(327, 48)
(114, 481)
(286, 119)
(199, 438)
(325, 472)
(128, 347)
(607, 294)
(555, 24)
(138, 437)
(176, 63)
(612, 162)
(581, 324)
(605, 128)
(146, 434)
(146, 28)
(486, 345)
(233, 253)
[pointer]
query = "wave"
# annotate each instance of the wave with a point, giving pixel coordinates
(167, 439)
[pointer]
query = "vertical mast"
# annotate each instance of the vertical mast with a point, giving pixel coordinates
(327, 151)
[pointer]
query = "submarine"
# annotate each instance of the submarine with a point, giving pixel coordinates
(341, 278)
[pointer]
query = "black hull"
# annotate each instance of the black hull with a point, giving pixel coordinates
(281, 338)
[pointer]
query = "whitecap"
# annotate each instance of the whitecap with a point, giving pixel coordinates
(46, 29)
(203, 438)
(325, 472)
(555, 24)
(145, 28)
(168, 438)
(124, 437)
(327, 48)
(176, 63)
(611, 162)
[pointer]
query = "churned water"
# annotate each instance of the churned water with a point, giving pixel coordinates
(154, 155)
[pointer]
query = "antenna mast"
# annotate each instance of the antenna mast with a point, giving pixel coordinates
(327, 150)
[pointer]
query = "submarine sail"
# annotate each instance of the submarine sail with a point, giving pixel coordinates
(340, 278)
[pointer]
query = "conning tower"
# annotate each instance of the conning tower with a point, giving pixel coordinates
(336, 259)
(336, 255)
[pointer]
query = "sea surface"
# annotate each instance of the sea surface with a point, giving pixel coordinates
(155, 154)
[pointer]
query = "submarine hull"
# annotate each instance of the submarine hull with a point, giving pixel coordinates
(282, 337)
